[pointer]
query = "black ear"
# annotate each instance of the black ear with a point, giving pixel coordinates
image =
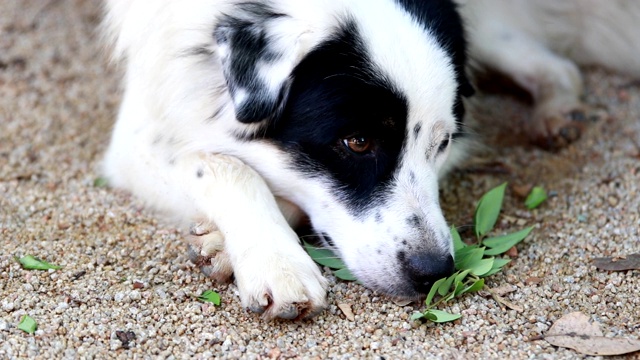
(256, 59)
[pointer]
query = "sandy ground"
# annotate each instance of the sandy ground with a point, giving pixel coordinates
(126, 273)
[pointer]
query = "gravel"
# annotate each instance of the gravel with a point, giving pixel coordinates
(127, 289)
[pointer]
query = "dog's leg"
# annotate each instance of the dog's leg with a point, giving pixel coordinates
(553, 82)
(505, 37)
(206, 243)
(273, 273)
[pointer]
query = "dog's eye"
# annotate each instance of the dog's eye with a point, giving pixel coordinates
(358, 144)
(443, 145)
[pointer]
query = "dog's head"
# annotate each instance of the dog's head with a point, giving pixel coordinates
(360, 106)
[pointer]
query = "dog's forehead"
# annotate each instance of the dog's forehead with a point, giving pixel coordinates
(415, 58)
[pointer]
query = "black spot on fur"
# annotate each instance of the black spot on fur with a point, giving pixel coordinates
(416, 131)
(412, 176)
(378, 217)
(413, 221)
(200, 173)
(401, 255)
(156, 139)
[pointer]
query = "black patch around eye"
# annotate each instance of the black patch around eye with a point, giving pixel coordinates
(335, 93)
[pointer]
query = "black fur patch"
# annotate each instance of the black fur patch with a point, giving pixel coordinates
(245, 35)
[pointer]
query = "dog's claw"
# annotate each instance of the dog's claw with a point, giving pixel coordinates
(216, 266)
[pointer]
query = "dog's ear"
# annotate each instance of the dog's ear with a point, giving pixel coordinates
(258, 48)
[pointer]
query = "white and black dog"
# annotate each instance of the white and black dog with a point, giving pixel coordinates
(239, 116)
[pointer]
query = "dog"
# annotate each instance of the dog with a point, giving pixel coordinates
(240, 117)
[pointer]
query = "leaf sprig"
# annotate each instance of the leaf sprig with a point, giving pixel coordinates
(210, 296)
(473, 262)
(326, 257)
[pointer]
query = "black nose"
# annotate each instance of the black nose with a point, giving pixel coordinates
(424, 269)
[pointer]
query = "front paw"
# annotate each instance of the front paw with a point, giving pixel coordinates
(206, 250)
(281, 284)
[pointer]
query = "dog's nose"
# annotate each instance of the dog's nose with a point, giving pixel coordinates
(424, 269)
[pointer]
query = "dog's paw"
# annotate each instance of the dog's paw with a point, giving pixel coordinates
(281, 284)
(206, 250)
(555, 130)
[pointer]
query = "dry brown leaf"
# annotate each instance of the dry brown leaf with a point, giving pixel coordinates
(502, 301)
(522, 190)
(618, 263)
(512, 253)
(575, 331)
(508, 303)
(346, 310)
(402, 302)
(504, 289)
(533, 280)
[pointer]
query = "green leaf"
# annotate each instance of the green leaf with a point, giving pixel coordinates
(32, 263)
(458, 244)
(471, 259)
(440, 316)
(488, 210)
(458, 290)
(100, 182)
(417, 316)
(491, 272)
(324, 257)
(210, 296)
(536, 197)
(464, 252)
(434, 289)
(344, 274)
(462, 275)
(501, 244)
(27, 324)
(483, 266)
(497, 266)
(499, 263)
(476, 286)
(443, 289)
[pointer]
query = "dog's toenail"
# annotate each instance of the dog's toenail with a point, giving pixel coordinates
(570, 133)
(289, 313)
(577, 115)
(257, 309)
(198, 229)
